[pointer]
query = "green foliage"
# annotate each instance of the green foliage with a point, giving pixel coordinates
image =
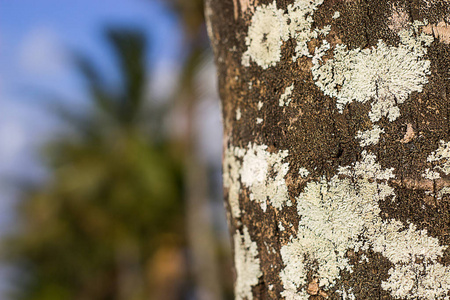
(113, 197)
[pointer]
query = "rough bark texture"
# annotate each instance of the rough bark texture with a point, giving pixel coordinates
(336, 159)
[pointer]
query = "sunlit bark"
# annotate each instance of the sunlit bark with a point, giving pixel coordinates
(336, 146)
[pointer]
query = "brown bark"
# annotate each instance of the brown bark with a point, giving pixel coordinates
(322, 139)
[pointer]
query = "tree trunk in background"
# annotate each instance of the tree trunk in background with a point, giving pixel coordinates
(336, 146)
(199, 225)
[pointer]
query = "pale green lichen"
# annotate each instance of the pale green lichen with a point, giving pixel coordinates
(260, 105)
(271, 26)
(418, 281)
(444, 191)
(247, 265)
(259, 120)
(238, 114)
(385, 75)
(343, 214)
(285, 98)
(336, 15)
(333, 216)
(441, 161)
(430, 174)
(300, 16)
(231, 178)
(265, 35)
(303, 172)
(367, 168)
(346, 294)
(260, 171)
(363, 259)
(263, 173)
(369, 137)
(404, 245)
(442, 157)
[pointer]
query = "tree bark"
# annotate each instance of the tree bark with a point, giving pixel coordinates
(336, 146)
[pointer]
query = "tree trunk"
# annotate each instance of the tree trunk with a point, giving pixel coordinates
(336, 146)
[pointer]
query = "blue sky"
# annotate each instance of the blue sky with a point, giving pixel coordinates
(35, 40)
(32, 30)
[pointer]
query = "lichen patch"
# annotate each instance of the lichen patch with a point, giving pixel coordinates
(303, 172)
(441, 157)
(285, 98)
(384, 75)
(369, 137)
(418, 281)
(431, 175)
(332, 218)
(271, 26)
(264, 174)
(444, 191)
(300, 16)
(260, 105)
(231, 178)
(346, 294)
(343, 214)
(247, 265)
(367, 168)
(265, 35)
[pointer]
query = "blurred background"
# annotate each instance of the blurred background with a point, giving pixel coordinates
(110, 153)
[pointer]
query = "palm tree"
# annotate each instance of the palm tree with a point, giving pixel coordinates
(113, 199)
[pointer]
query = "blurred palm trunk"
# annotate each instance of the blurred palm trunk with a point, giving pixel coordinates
(130, 277)
(202, 243)
(199, 224)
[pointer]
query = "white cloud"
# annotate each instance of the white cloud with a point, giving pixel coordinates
(12, 139)
(41, 52)
(22, 129)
